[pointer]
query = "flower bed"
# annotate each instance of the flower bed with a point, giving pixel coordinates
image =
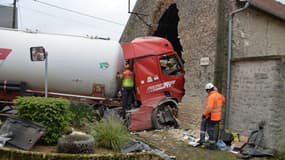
(15, 154)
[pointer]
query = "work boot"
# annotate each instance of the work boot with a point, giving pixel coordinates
(200, 143)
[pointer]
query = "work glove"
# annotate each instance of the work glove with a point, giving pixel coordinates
(203, 116)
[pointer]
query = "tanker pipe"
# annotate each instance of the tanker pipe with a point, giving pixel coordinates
(12, 85)
(10, 88)
(66, 95)
(227, 109)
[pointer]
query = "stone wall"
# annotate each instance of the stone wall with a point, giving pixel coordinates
(255, 96)
(258, 34)
(197, 31)
(258, 53)
(282, 104)
(144, 19)
(258, 75)
(198, 34)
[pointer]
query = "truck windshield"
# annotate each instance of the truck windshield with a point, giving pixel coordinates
(170, 65)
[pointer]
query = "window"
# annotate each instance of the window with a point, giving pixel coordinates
(170, 65)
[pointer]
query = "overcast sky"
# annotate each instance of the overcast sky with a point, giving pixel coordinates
(282, 1)
(103, 18)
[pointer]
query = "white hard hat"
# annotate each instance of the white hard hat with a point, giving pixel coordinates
(209, 86)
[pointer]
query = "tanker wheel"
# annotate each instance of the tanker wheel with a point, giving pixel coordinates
(76, 144)
(164, 116)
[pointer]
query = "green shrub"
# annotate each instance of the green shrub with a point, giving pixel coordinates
(83, 114)
(280, 155)
(111, 133)
(53, 113)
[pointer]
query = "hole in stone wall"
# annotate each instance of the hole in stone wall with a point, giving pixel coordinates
(167, 28)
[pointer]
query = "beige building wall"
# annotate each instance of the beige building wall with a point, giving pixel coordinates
(258, 77)
(258, 50)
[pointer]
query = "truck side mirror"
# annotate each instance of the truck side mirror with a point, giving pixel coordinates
(37, 53)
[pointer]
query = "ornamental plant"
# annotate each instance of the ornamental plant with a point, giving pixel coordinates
(83, 114)
(53, 113)
(110, 133)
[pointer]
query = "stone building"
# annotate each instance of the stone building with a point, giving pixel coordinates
(258, 71)
(252, 77)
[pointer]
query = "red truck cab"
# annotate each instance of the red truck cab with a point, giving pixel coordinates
(159, 82)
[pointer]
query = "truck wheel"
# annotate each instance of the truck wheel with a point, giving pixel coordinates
(163, 117)
(76, 144)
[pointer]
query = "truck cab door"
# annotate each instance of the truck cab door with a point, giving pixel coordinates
(161, 75)
(147, 74)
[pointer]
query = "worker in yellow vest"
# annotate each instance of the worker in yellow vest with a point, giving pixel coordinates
(127, 77)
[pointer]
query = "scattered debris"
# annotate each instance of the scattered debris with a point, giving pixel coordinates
(23, 133)
(138, 146)
(227, 137)
(135, 146)
(8, 109)
(253, 147)
(74, 132)
(221, 145)
(192, 137)
(4, 138)
(239, 143)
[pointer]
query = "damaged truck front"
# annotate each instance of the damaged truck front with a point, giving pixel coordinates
(84, 69)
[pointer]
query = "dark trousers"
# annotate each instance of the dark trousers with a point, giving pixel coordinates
(209, 126)
(127, 97)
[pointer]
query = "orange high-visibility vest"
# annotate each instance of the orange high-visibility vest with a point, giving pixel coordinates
(214, 106)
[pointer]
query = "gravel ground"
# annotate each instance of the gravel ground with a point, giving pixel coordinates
(171, 140)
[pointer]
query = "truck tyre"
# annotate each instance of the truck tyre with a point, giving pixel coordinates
(76, 144)
(162, 117)
(156, 120)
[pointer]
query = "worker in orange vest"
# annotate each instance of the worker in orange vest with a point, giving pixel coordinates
(127, 77)
(211, 115)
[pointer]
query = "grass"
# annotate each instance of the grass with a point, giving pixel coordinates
(110, 133)
(172, 146)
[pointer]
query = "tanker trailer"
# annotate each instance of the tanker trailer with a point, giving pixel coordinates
(76, 65)
(85, 69)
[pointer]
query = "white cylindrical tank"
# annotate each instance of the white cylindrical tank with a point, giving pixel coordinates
(75, 64)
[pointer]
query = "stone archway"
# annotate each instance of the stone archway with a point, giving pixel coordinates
(167, 28)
